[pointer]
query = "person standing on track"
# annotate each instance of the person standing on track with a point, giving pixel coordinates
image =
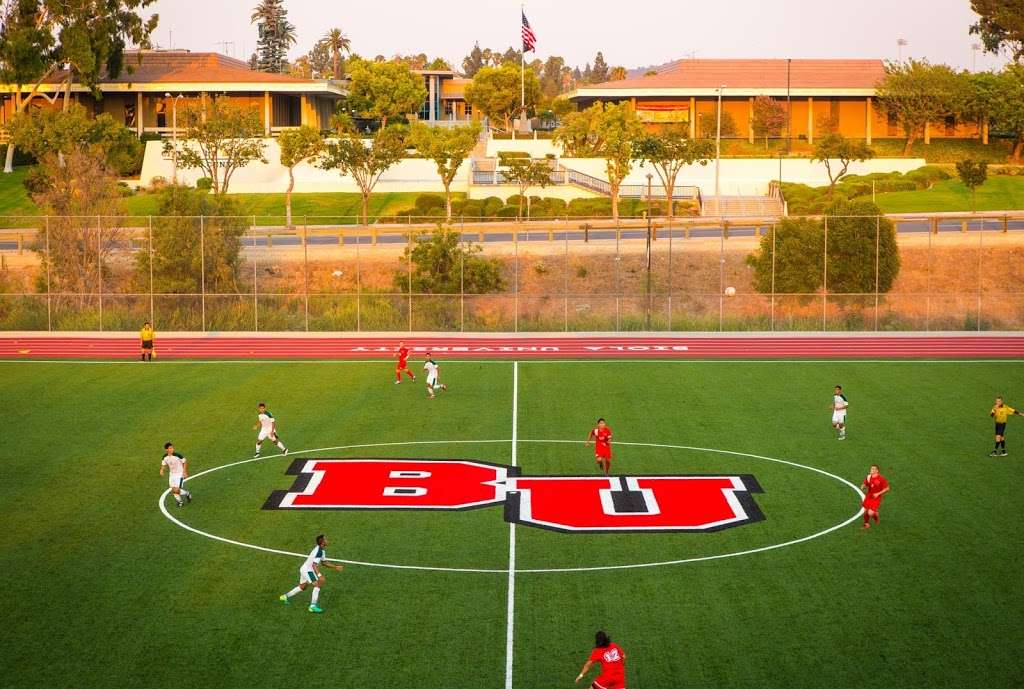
(601, 436)
(612, 660)
(403, 364)
(876, 486)
(1000, 413)
(146, 339)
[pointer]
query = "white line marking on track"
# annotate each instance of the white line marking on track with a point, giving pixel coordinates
(511, 601)
(640, 565)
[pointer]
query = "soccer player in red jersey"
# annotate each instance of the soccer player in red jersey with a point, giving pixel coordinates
(601, 436)
(876, 487)
(612, 660)
(403, 365)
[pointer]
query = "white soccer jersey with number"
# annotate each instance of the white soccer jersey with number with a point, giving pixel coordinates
(431, 368)
(266, 421)
(175, 463)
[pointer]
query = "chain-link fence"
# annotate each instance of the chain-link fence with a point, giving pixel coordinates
(560, 274)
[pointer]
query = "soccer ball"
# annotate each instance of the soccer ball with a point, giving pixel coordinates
(730, 291)
(337, 273)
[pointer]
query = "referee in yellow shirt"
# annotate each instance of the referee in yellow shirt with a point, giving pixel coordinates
(146, 337)
(1001, 412)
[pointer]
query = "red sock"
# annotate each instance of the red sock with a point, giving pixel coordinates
(410, 374)
(876, 517)
(866, 517)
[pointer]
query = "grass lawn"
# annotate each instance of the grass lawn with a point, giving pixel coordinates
(108, 592)
(997, 194)
(14, 198)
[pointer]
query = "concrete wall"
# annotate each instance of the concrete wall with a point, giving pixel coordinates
(739, 176)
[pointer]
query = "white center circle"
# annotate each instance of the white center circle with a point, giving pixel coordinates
(163, 508)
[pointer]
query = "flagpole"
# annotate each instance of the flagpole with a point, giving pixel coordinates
(522, 73)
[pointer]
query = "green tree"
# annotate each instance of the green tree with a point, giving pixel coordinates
(709, 124)
(189, 253)
(448, 147)
(495, 91)
(297, 146)
(668, 151)
(526, 173)
(474, 62)
(617, 74)
(443, 264)
(916, 93)
(982, 95)
(972, 174)
(335, 43)
(599, 72)
(1000, 25)
(349, 155)
(384, 90)
(1007, 112)
(608, 131)
(41, 131)
(836, 147)
(229, 137)
(552, 77)
(276, 36)
(855, 228)
(769, 118)
(87, 37)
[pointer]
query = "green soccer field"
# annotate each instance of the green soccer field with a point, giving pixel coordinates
(104, 590)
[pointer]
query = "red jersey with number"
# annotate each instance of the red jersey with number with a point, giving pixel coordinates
(613, 669)
(403, 355)
(602, 442)
(876, 484)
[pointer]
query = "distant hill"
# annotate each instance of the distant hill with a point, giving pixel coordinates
(640, 71)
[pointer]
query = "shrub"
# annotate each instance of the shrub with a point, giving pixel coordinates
(507, 212)
(425, 203)
(204, 184)
(472, 208)
(514, 200)
(491, 206)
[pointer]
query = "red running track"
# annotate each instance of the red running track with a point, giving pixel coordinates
(213, 346)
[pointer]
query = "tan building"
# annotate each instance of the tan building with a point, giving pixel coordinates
(446, 98)
(144, 99)
(818, 94)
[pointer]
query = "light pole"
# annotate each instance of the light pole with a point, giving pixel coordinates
(975, 47)
(900, 42)
(174, 136)
(718, 150)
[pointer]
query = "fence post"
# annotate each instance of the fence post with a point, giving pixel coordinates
(202, 269)
(981, 238)
(462, 285)
(774, 231)
(721, 281)
(878, 235)
(670, 233)
(99, 266)
(565, 279)
(928, 284)
(515, 283)
(409, 264)
(359, 287)
(305, 266)
(824, 279)
(255, 291)
(49, 307)
(152, 314)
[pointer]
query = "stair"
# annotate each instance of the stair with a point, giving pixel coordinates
(742, 207)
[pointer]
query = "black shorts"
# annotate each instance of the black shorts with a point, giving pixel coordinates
(1001, 428)
(147, 344)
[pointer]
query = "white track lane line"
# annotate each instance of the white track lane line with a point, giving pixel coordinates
(511, 601)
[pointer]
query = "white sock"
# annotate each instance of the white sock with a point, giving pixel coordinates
(258, 446)
(177, 497)
(316, 595)
(294, 592)
(280, 444)
(186, 493)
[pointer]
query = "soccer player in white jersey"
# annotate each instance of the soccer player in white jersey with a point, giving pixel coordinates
(309, 573)
(178, 468)
(839, 405)
(433, 376)
(267, 425)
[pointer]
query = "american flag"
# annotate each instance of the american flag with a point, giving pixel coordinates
(529, 40)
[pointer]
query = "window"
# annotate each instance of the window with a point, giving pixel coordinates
(449, 110)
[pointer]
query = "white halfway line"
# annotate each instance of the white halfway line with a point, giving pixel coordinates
(511, 606)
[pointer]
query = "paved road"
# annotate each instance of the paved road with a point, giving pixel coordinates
(903, 227)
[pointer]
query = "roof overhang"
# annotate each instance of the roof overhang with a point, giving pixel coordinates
(318, 88)
(621, 94)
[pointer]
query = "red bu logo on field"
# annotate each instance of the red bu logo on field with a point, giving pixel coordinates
(573, 504)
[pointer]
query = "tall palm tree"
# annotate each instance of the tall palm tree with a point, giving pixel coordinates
(336, 43)
(276, 34)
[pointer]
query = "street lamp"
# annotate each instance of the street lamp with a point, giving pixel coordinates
(975, 47)
(174, 135)
(718, 151)
(900, 42)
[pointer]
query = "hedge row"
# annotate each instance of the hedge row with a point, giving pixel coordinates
(493, 207)
(807, 200)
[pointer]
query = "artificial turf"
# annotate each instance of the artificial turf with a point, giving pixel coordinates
(103, 590)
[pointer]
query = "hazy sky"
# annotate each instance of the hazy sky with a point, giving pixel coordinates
(629, 33)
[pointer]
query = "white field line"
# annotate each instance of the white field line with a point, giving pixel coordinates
(511, 600)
